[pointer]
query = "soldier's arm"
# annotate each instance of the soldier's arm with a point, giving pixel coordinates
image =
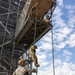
(14, 73)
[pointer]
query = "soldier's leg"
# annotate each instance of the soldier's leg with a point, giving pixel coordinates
(34, 58)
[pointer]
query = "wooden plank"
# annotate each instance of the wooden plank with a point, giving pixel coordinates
(42, 8)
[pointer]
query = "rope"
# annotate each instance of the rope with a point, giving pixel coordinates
(35, 24)
(35, 34)
(53, 53)
(52, 45)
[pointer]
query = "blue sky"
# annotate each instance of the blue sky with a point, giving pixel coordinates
(64, 42)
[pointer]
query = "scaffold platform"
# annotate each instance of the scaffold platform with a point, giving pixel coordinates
(26, 25)
(26, 35)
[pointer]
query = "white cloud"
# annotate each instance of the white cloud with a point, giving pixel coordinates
(47, 38)
(61, 45)
(64, 36)
(71, 15)
(65, 31)
(67, 55)
(61, 34)
(62, 29)
(58, 63)
(66, 52)
(46, 46)
(41, 56)
(57, 10)
(60, 3)
(66, 69)
(57, 18)
(71, 22)
(71, 40)
(45, 63)
(70, 7)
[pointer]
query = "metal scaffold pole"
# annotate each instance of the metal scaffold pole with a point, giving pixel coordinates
(12, 56)
(6, 28)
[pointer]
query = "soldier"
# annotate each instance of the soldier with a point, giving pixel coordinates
(47, 19)
(22, 70)
(33, 55)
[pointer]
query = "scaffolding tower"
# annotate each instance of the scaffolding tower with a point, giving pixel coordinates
(15, 35)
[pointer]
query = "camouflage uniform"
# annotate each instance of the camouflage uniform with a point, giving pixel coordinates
(33, 55)
(20, 71)
(47, 19)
